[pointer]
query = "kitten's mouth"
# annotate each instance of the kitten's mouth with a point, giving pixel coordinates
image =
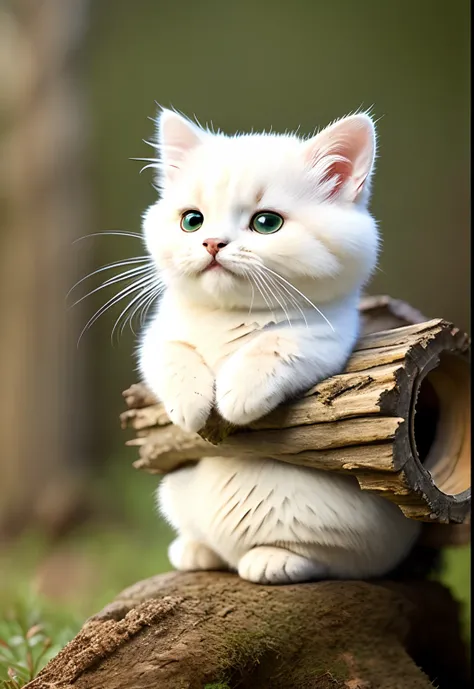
(213, 265)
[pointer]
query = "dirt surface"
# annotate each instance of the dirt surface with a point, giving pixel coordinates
(208, 630)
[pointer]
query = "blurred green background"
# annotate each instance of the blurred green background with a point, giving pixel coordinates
(78, 81)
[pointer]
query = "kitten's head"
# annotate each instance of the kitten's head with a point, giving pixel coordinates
(237, 210)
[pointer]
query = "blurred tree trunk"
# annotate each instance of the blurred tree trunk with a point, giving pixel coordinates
(43, 209)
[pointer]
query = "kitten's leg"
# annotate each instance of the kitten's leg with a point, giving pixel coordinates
(276, 365)
(270, 565)
(184, 383)
(188, 555)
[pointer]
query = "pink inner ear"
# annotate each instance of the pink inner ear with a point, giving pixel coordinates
(338, 172)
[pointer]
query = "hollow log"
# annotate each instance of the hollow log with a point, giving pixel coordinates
(398, 418)
(210, 630)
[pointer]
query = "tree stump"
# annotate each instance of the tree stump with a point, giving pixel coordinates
(211, 630)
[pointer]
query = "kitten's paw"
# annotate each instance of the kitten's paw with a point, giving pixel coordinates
(190, 556)
(271, 565)
(188, 416)
(188, 399)
(243, 395)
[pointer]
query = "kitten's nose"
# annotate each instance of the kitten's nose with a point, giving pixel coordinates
(213, 246)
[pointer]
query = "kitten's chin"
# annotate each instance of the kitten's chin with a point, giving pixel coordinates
(217, 279)
(215, 286)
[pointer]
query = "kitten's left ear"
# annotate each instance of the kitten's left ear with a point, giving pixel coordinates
(177, 137)
(341, 157)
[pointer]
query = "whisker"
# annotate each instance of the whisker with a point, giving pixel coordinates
(146, 160)
(258, 284)
(153, 162)
(282, 305)
(279, 277)
(272, 283)
(156, 166)
(116, 264)
(143, 290)
(116, 278)
(154, 289)
(111, 302)
(152, 293)
(160, 146)
(263, 291)
(250, 277)
(147, 305)
(253, 295)
(293, 300)
(118, 233)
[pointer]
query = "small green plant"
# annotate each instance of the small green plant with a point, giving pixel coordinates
(22, 654)
(27, 643)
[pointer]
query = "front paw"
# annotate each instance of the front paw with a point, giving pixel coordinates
(188, 400)
(242, 396)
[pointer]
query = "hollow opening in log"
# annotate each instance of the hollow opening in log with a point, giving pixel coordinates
(441, 424)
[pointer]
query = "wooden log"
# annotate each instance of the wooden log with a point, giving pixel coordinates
(398, 419)
(382, 312)
(213, 630)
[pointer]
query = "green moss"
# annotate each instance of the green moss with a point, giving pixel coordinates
(241, 653)
(333, 667)
(244, 651)
(241, 642)
(244, 645)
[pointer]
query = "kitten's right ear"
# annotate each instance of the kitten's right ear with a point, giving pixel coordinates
(177, 137)
(342, 157)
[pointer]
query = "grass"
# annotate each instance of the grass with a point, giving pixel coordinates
(457, 575)
(52, 587)
(31, 633)
(47, 589)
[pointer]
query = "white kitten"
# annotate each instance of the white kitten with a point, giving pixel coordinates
(263, 243)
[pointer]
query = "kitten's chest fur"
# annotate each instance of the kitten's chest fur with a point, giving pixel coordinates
(214, 333)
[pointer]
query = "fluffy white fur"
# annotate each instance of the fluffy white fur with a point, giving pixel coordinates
(275, 316)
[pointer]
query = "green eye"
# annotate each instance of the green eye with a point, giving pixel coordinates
(266, 223)
(191, 221)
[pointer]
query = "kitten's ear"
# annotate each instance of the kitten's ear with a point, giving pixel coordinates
(177, 137)
(342, 156)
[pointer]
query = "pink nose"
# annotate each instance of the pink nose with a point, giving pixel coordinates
(213, 246)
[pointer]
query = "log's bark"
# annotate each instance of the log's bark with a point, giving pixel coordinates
(213, 630)
(381, 312)
(397, 418)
